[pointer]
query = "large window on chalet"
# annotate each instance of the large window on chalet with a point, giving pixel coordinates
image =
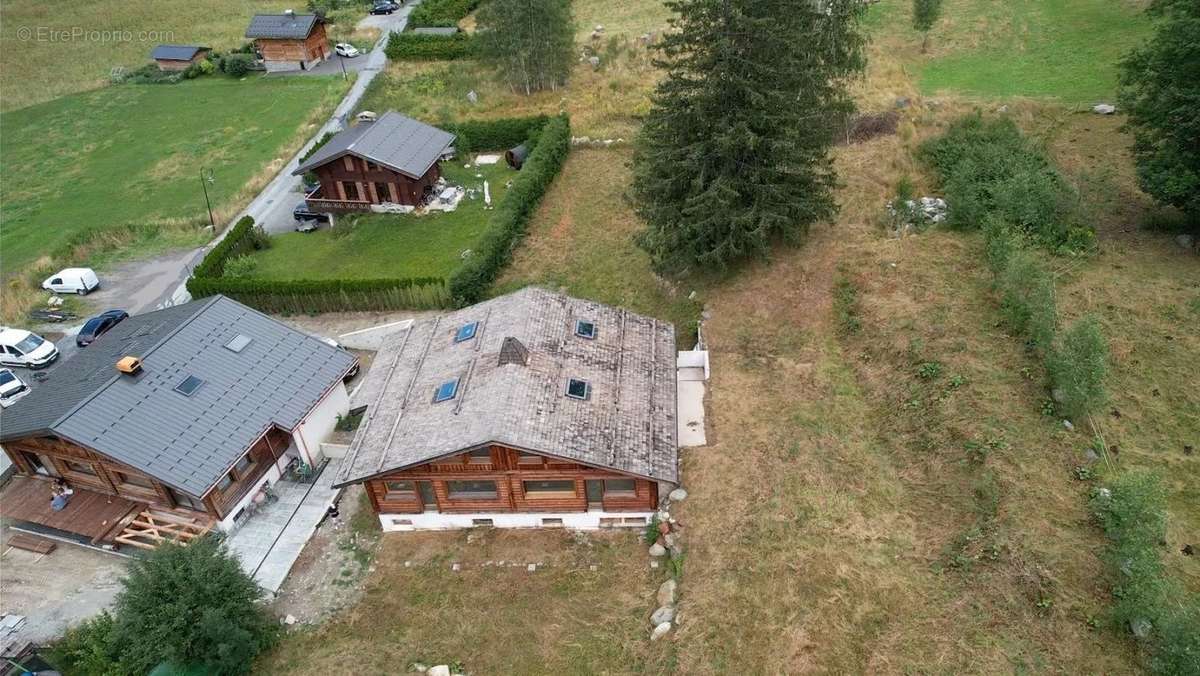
(620, 487)
(529, 459)
(399, 490)
(188, 502)
(80, 467)
(472, 490)
(480, 456)
(549, 488)
(351, 189)
(134, 480)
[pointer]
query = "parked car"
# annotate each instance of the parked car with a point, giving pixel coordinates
(331, 342)
(19, 347)
(73, 280)
(384, 7)
(97, 325)
(347, 50)
(11, 388)
(303, 213)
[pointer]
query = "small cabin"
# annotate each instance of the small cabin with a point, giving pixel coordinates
(289, 41)
(391, 160)
(178, 57)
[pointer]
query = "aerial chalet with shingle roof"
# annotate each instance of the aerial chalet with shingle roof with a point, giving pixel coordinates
(220, 401)
(393, 159)
(289, 41)
(178, 57)
(531, 409)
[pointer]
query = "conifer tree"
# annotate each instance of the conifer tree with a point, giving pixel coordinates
(925, 15)
(734, 152)
(530, 42)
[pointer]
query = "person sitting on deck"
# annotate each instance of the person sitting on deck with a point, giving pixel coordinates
(60, 494)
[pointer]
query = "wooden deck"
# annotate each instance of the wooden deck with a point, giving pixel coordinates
(94, 516)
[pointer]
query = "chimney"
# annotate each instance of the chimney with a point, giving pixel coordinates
(512, 351)
(130, 366)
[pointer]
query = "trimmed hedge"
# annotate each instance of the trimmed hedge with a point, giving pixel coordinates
(441, 13)
(508, 222)
(411, 47)
(550, 138)
(476, 135)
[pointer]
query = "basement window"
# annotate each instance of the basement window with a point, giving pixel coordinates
(578, 389)
(466, 332)
(446, 391)
(189, 386)
(585, 329)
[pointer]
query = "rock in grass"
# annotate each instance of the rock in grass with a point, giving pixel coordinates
(663, 615)
(677, 495)
(666, 593)
(1104, 109)
(660, 631)
(657, 550)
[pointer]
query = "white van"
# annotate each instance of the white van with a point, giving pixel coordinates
(72, 280)
(19, 347)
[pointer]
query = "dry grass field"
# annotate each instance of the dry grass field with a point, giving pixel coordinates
(887, 500)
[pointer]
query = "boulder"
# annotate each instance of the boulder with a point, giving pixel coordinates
(660, 631)
(1058, 395)
(1140, 627)
(439, 670)
(663, 614)
(289, 620)
(902, 102)
(657, 550)
(595, 61)
(1104, 109)
(1186, 241)
(666, 593)
(1068, 426)
(1091, 455)
(677, 495)
(671, 540)
(418, 667)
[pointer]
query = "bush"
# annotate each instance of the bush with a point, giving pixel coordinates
(207, 67)
(317, 146)
(89, 647)
(441, 13)
(1027, 298)
(327, 295)
(502, 134)
(241, 239)
(506, 227)
(240, 267)
(236, 65)
(1078, 366)
(1000, 242)
(1133, 514)
(412, 47)
(988, 168)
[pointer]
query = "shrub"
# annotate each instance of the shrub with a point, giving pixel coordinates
(411, 47)
(845, 303)
(988, 167)
(207, 67)
(191, 605)
(1078, 366)
(89, 647)
(296, 296)
(441, 12)
(1027, 297)
(317, 146)
(236, 65)
(507, 224)
(1000, 242)
(478, 135)
(241, 267)
(241, 239)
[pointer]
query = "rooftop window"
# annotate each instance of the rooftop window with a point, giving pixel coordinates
(189, 386)
(466, 332)
(578, 389)
(238, 343)
(446, 391)
(585, 329)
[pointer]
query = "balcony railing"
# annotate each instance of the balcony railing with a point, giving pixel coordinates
(318, 203)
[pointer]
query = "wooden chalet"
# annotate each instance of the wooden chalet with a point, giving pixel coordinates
(392, 160)
(533, 409)
(289, 41)
(217, 402)
(178, 57)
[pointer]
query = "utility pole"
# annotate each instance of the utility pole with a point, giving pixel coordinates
(342, 62)
(204, 181)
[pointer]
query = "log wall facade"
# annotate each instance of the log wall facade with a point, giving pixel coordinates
(354, 179)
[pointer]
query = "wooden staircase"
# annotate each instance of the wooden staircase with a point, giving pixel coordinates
(152, 527)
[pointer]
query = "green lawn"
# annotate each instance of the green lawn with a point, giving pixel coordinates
(1062, 49)
(386, 245)
(132, 154)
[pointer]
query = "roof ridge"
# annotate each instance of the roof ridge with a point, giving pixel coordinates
(108, 383)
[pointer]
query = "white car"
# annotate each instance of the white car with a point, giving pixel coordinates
(72, 280)
(11, 388)
(19, 347)
(347, 50)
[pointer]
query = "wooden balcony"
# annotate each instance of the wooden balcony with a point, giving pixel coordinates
(319, 203)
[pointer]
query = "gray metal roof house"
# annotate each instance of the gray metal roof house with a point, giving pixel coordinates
(217, 393)
(393, 140)
(178, 52)
(286, 26)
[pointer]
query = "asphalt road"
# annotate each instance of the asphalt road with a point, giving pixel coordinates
(147, 285)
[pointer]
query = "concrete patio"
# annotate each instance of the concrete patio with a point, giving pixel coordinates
(269, 542)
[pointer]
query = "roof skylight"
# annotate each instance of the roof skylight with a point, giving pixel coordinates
(189, 385)
(239, 343)
(585, 329)
(578, 389)
(466, 332)
(446, 391)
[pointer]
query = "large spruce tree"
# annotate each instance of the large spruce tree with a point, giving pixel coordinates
(531, 43)
(734, 152)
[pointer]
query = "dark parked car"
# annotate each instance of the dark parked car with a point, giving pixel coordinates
(303, 213)
(96, 326)
(384, 8)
